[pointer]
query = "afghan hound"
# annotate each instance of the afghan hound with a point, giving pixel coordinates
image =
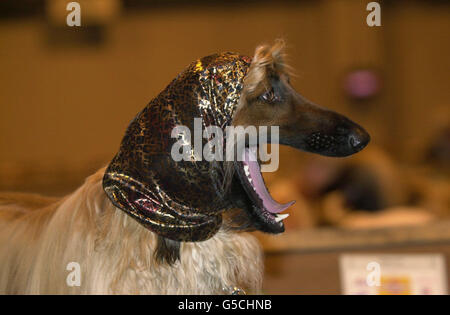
(147, 224)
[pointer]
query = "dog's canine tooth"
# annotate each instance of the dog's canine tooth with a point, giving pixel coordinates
(279, 217)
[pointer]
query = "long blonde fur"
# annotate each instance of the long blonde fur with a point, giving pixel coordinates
(267, 58)
(39, 237)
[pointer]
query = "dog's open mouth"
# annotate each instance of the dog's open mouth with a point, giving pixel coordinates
(263, 207)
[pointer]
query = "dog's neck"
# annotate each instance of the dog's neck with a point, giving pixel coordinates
(114, 247)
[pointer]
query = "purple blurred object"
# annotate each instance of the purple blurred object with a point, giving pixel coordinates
(362, 84)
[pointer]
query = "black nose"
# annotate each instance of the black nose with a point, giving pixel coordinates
(358, 139)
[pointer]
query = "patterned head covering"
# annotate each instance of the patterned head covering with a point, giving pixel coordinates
(177, 200)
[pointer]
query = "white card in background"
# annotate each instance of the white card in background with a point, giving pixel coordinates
(393, 274)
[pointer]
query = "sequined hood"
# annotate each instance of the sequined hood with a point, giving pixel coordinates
(177, 200)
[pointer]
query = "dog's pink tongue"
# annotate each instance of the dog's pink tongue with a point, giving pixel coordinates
(257, 181)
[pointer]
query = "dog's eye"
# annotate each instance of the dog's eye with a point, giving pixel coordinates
(269, 96)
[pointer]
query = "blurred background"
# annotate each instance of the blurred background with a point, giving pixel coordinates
(68, 93)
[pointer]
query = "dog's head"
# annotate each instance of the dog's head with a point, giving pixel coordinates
(185, 200)
(268, 99)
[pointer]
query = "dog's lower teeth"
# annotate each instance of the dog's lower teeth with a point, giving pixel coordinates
(279, 217)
